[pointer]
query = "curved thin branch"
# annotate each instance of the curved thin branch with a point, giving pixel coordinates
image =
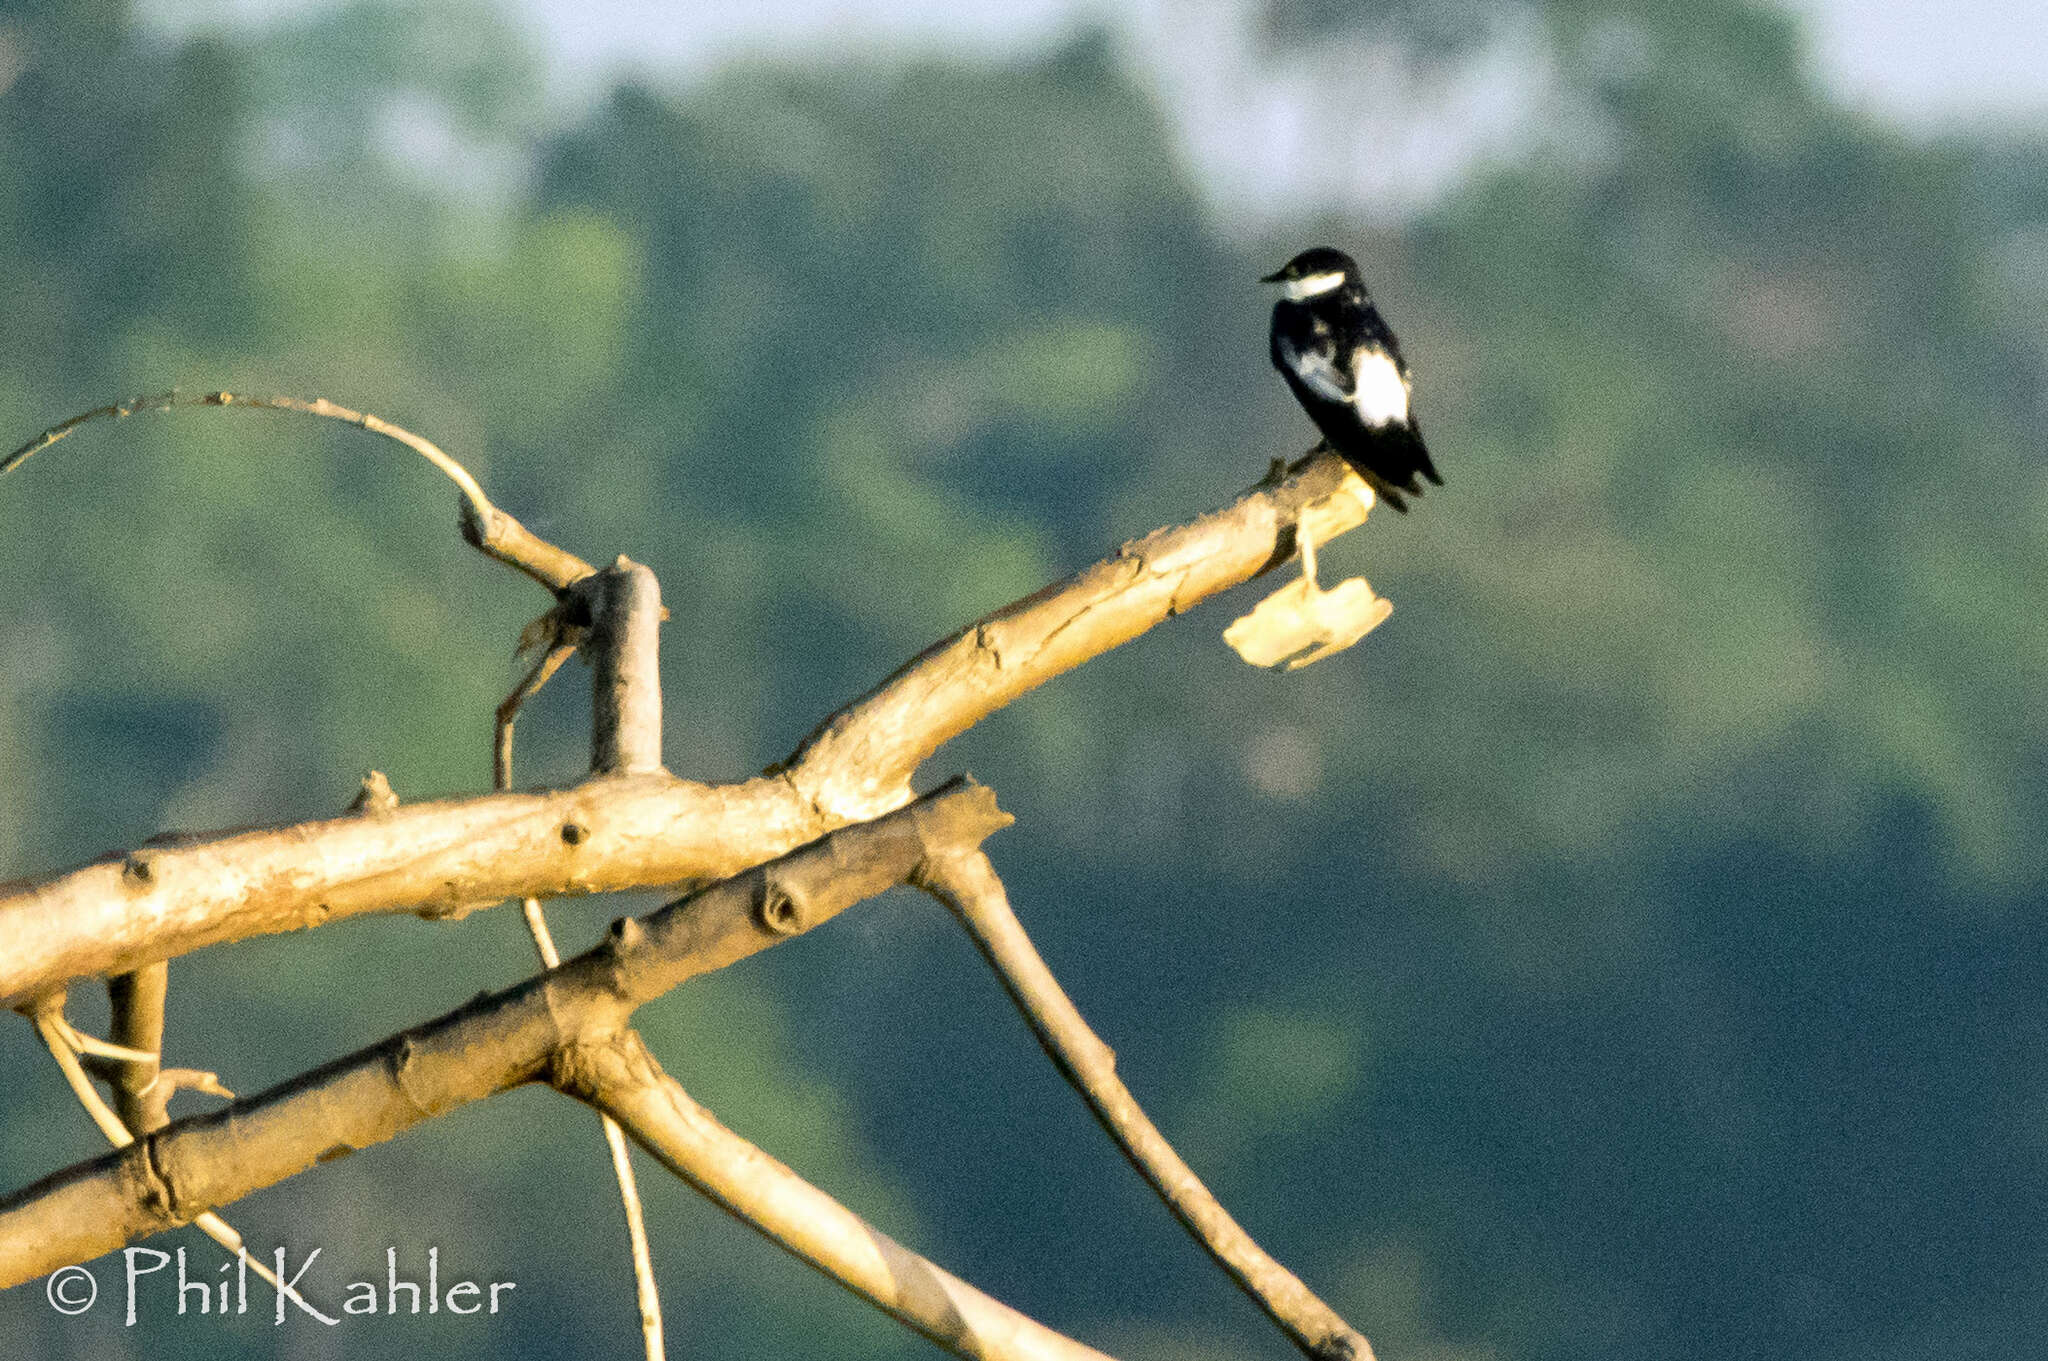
(539, 674)
(967, 884)
(58, 1038)
(162, 401)
(489, 529)
(646, 1290)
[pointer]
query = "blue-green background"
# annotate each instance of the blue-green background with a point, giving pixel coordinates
(1632, 951)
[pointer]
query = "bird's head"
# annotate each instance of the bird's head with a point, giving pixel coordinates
(1313, 273)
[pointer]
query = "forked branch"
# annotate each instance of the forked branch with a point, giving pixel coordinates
(497, 1041)
(634, 832)
(569, 1027)
(632, 826)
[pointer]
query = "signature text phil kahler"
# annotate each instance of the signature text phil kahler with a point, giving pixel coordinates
(148, 1285)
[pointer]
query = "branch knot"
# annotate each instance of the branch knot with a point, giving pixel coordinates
(778, 908)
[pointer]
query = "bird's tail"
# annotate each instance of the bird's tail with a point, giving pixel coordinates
(1422, 463)
(1400, 461)
(1382, 489)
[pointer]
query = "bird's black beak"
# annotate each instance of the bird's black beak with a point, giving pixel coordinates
(1276, 277)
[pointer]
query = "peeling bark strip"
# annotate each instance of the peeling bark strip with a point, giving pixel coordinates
(496, 1042)
(640, 831)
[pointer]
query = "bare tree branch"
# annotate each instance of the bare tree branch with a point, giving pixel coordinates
(622, 1079)
(62, 1042)
(630, 832)
(623, 603)
(967, 884)
(629, 826)
(646, 1291)
(625, 665)
(860, 760)
(137, 1002)
(443, 858)
(490, 530)
(496, 1042)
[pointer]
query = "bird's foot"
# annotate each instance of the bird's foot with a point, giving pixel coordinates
(1305, 543)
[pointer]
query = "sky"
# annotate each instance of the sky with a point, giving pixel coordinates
(1925, 65)
(1931, 63)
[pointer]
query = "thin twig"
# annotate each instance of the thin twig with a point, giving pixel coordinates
(967, 884)
(646, 1293)
(58, 1037)
(486, 527)
(92, 1047)
(622, 1079)
(542, 671)
(162, 401)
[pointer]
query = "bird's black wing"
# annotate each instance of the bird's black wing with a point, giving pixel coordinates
(1418, 452)
(1375, 329)
(1314, 366)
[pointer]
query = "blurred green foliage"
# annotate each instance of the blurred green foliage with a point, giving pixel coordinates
(1625, 953)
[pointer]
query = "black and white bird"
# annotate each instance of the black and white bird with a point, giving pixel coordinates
(1346, 370)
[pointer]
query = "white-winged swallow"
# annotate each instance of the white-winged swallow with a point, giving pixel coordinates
(1346, 370)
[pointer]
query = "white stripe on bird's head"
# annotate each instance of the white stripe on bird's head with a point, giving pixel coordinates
(1312, 285)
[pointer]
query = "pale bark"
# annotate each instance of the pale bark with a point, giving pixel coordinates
(621, 832)
(495, 1042)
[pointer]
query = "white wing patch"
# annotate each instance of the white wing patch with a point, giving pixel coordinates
(1380, 393)
(1317, 372)
(1312, 285)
